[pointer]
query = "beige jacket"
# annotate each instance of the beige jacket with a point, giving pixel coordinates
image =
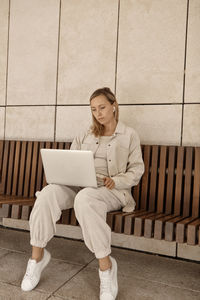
(124, 158)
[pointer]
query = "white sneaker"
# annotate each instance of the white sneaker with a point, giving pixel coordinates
(33, 272)
(108, 282)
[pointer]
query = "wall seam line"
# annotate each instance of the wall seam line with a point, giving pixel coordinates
(6, 89)
(117, 44)
(185, 55)
(56, 104)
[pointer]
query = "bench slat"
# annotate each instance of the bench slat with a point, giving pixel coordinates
(196, 185)
(16, 168)
(1, 158)
(22, 168)
(34, 169)
(10, 168)
(145, 178)
(161, 180)
(181, 226)
(192, 232)
(40, 169)
(179, 181)
(170, 180)
(28, 169)
(153, 178)
(4, 168)
(188, 179)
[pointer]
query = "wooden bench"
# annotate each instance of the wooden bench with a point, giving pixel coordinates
(167, 196)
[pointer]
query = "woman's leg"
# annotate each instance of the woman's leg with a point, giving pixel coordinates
(91, 206)
(46, 212)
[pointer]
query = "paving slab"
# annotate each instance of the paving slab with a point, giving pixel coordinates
(13, 266)
(182, 274)
(85, 286)
(11, 292)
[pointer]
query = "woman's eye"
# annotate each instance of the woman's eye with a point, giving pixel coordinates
(102, 107)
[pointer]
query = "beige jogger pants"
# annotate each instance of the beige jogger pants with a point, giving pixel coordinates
(91, 206)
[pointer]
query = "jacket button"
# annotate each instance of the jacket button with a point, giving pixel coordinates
(109, 159)
(109, 145)
(96, 142)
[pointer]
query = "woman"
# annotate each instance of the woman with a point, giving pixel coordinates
(119, 166)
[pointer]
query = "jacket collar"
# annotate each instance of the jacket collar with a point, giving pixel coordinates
(120, 128)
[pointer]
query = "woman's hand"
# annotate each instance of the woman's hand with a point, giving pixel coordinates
(109, 183)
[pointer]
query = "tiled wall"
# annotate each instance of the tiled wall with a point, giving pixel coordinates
(55, 53)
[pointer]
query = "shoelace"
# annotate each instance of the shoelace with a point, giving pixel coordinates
(105, 284)
(29, 269)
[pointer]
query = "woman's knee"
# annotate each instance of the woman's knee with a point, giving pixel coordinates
(83, 199)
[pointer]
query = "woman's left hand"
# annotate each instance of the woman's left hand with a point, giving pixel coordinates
(109, 183)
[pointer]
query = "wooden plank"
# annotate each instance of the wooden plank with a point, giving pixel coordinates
(119, 221)
(35, 159)
(139, 223)
(188, 180)
(26, 210)
(65, 218)
(153, 178)
(61, 145)
(5, 211)
(67, 145)
(170, 228)
(16, 168)
(181, 227)
(136, 194)
(110, 219)
(28, 169)
(4, 167)
(1, 158)
(22, 168)
(159, 226)
(161, 179)
(192, 232)
(10, 168)
(196, 185)
(179, 181)
(73, 220)
(145, 178)
(170, 180)
(16, 211)
(39, 180)
(129, 221)
(149, 224)
(48, 145)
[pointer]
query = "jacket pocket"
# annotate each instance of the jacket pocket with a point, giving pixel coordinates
(122, 158)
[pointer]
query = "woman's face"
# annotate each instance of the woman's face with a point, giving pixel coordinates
(102, 110)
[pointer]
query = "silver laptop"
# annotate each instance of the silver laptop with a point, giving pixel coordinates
(69, 167)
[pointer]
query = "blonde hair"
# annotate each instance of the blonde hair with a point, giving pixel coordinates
(97, 128)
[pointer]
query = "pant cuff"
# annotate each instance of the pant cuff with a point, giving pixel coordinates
(102, 254)
(36, 243)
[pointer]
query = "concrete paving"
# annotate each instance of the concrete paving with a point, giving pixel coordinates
(72, 273)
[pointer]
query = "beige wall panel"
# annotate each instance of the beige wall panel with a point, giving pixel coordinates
(30, 123)
(4, 11)
(87, 48)
(192, 81)
(2, 113)
(71, 120)
(155, 124)
(33, 50)
(151, 51)
(191, 125)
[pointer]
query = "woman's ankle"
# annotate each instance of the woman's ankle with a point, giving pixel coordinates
(37, 254)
